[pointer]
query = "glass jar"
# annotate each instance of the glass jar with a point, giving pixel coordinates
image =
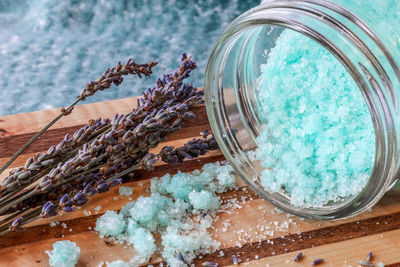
(363, 35)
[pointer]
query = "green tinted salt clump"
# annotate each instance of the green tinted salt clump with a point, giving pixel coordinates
(318, 142)
(110, 224)
(175, 211)
(64, 254)
(203, 200)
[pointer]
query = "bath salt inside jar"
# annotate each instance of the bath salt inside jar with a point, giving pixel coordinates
(302, 97)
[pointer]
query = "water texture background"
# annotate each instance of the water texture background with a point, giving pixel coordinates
(50, 49)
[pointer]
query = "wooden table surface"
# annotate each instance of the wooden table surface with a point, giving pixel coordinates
(251, 228)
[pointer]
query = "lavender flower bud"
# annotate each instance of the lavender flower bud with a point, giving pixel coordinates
(12, 186)
(48, 210)
(15, 225)
(8, 180)
(28, 162)
(24, 175)
(68, 209)
(115, 182)
(103, 187)
(48, 162)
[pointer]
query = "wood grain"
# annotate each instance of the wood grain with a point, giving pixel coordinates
(340, 243)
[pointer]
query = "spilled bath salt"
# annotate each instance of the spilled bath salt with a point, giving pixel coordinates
(125, 191)
(53, 224)
(97, 209)
(64, 254)
(118, 263)
(318, 142)
(110, 224)
(181, 209)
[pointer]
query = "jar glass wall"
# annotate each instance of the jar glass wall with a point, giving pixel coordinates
(360, 36)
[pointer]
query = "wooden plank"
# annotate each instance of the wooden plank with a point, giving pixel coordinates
(385, 248)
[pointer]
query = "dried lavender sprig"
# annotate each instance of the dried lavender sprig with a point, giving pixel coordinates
(152, 139)
(50, 209)
(151, 125)
(187, 94)
(157, 96)
(192, 149)
(109, 77)
(27, 218)
(41, 163)
(14, 215)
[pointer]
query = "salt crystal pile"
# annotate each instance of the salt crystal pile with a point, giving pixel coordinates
(64, 254)
(110, 224)
(174, 210)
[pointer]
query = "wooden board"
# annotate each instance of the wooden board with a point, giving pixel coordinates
(250, 228)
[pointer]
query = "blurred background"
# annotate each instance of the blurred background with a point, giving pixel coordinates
(50, 49)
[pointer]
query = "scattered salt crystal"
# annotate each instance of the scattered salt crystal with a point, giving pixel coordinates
(65, 253)
(86, 213)
(125, 191)
(64, 225)
(115, 198)
(97, 209)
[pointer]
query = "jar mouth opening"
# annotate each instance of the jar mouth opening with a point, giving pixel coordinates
(222, 121)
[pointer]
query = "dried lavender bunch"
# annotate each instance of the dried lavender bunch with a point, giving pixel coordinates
(192, 149)
(109, 77)
(169, 90)
(112, 154)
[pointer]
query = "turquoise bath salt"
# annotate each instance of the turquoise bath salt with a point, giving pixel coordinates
(203, 200)
(119, 263)
(144, 242)
(110, 224)
(146, 210)
(317, 144)
(180, 211)
(64, 254)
